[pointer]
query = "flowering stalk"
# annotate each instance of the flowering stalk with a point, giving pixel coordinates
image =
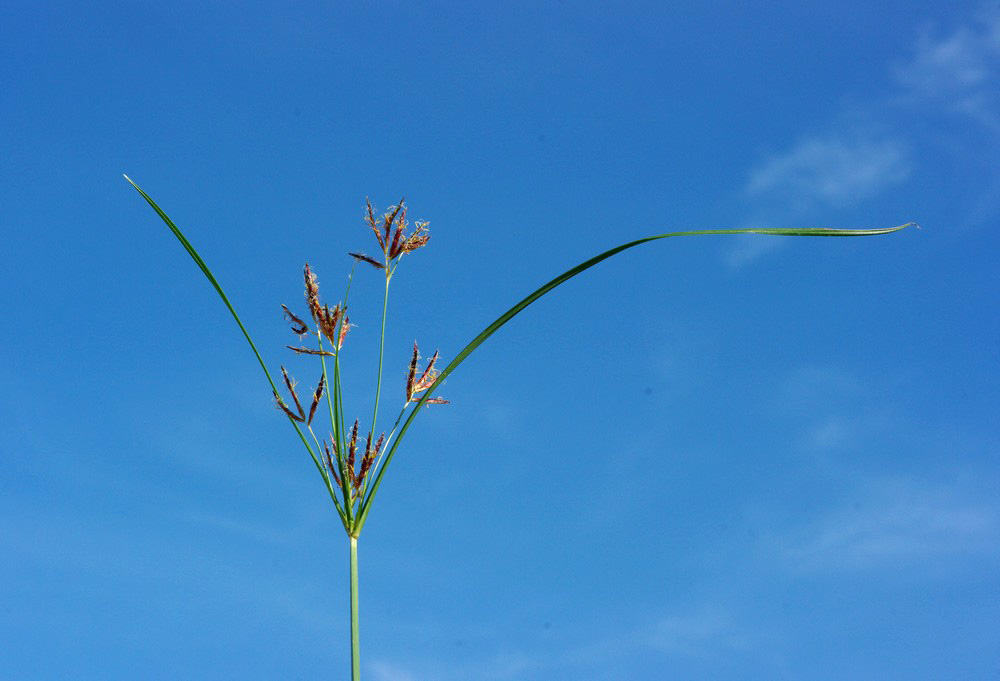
(353, 463)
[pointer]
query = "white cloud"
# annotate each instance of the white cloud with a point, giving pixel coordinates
(749, 247)
(895, 524)
(834, 170)
(954, 73)
(958, 72)
(966, 59)
(701, 633)
(384, 671)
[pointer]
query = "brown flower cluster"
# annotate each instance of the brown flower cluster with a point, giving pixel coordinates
(333, 324)
(415, 385)
(355, 472)
(300, 415)
(390, 231)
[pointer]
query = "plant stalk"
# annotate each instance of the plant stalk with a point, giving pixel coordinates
(381, 352)
(355, 633)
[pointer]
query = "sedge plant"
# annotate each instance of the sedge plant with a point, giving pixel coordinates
(351, 460)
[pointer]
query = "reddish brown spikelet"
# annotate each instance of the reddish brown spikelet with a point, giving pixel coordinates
(370, 219)
(315, 403)
(418, 239)
(299, 327)
(366, 462)
(328, 321)
(388, 220)
(329, 462)
(427, 378)
(291, 388)
(364, 258)
(284, 407)
(410, 377)
(437, 400)
(343, 330)
(310, 351)
(352, 447)
(397, 241)
(312, 295)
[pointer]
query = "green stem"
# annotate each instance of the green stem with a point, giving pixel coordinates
(355, 634)
(381, 351)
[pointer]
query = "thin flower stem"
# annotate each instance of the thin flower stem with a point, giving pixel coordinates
(388, 439)
(339, 400)
(345, 485)
(329, 399)
(381, 352)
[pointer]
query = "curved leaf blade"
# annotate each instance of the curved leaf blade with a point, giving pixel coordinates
(225, 299)
(561, 279)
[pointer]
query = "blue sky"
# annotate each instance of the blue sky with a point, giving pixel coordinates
(719, 458)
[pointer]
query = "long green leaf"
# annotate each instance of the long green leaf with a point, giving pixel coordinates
(562, 278)
(218, 289)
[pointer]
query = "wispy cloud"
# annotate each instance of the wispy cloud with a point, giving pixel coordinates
(958, 70)
(838, 169)
(834, 170)
(703, 632)
(852, 158)
(898, 523)
(381, 670)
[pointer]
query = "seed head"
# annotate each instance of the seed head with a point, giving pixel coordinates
(416, 385)
(310, 351)
(352, 447)
(364, 258)
(370, 219)
(299, 327)
(330, 320)
(312, 295)
(328, 460)
(290, 384)
(418, 239)
(315, 403)
(411, 375)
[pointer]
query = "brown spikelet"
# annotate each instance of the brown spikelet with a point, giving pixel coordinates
(389, 218)
(437, 400)
(418, 239)
(329, 461)
(312, 295)
(284, 407)
(397, 240)
(310, 351)
(299, 327)
(366, 462)
(427, 378)
(370, 219)
(330, 320)
(352, 448)
(343, 330)
(290, 384)
(410, 377)
(315, 403)
(364, 258)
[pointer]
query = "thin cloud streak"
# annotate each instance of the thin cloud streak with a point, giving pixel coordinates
(895, 524)
(833, 171)
(958, 72)
(954, 74)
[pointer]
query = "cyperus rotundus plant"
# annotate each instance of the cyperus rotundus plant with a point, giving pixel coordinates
(352, 461)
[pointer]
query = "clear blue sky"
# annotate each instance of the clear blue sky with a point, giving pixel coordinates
(721, 458)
